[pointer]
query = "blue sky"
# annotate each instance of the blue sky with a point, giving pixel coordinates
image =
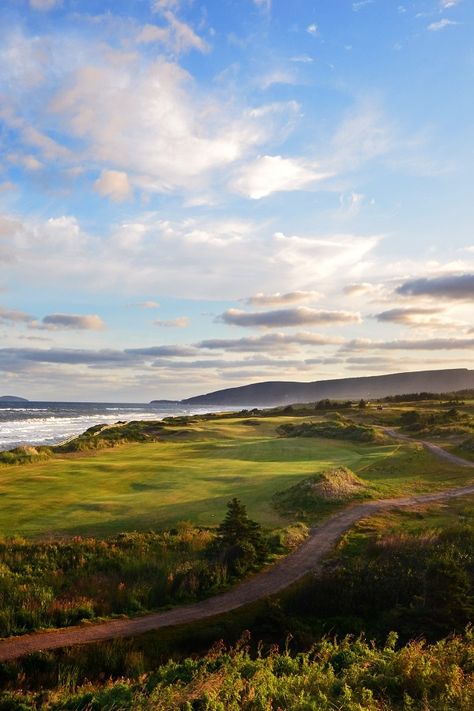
(196, 195)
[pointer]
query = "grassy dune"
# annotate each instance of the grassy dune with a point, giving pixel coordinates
(192, 474)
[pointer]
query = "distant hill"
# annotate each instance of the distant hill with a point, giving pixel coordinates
(272, 393)
(12, 398)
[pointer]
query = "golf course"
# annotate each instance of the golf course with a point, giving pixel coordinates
(190, 472)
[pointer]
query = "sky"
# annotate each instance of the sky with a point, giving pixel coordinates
(202, 194)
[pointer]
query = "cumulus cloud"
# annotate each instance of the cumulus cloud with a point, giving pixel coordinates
(74, 322)
(136, 256)
(270, 174)
(113, 184)
(152, 123)
(277, 299)
(445, 287)
(284, 318)
(441, 24)
(180, 322)
(278, 342)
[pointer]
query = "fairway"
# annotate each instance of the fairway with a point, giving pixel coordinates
(155, 485)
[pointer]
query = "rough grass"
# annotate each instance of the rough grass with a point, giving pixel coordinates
(414, 521)
(308, 497)
(339, 428)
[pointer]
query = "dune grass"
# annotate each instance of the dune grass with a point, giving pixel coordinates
(192, 475)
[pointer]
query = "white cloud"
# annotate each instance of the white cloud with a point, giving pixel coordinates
(149, 120)
(152, 33)
(277, 76)
(313, 29)
(114, 184)
(441, 24)
(183, 37)
(269, 174)
(178, 35)
(446, 4)
(196, 258)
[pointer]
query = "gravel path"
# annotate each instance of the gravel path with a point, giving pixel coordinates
(305, 559)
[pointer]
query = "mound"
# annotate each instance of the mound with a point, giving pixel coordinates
(310, 495)
(25, 454)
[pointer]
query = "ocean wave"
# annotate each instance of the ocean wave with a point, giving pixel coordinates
(57, 422)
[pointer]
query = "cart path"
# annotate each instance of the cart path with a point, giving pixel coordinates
(307, 558)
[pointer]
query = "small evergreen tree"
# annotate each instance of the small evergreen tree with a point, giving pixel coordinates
(240, 543)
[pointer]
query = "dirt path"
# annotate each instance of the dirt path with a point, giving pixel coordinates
(434, 448)
(305, 559)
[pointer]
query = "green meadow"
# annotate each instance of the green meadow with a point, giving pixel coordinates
(192, 473)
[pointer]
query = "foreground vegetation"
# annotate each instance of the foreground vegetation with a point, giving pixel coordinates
(350, 675)
(409, 571)
(62, 583)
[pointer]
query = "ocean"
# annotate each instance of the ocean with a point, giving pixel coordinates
(34, 423)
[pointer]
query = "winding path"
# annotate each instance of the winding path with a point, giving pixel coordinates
(307, 558)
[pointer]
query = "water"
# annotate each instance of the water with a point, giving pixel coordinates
(47, 423)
